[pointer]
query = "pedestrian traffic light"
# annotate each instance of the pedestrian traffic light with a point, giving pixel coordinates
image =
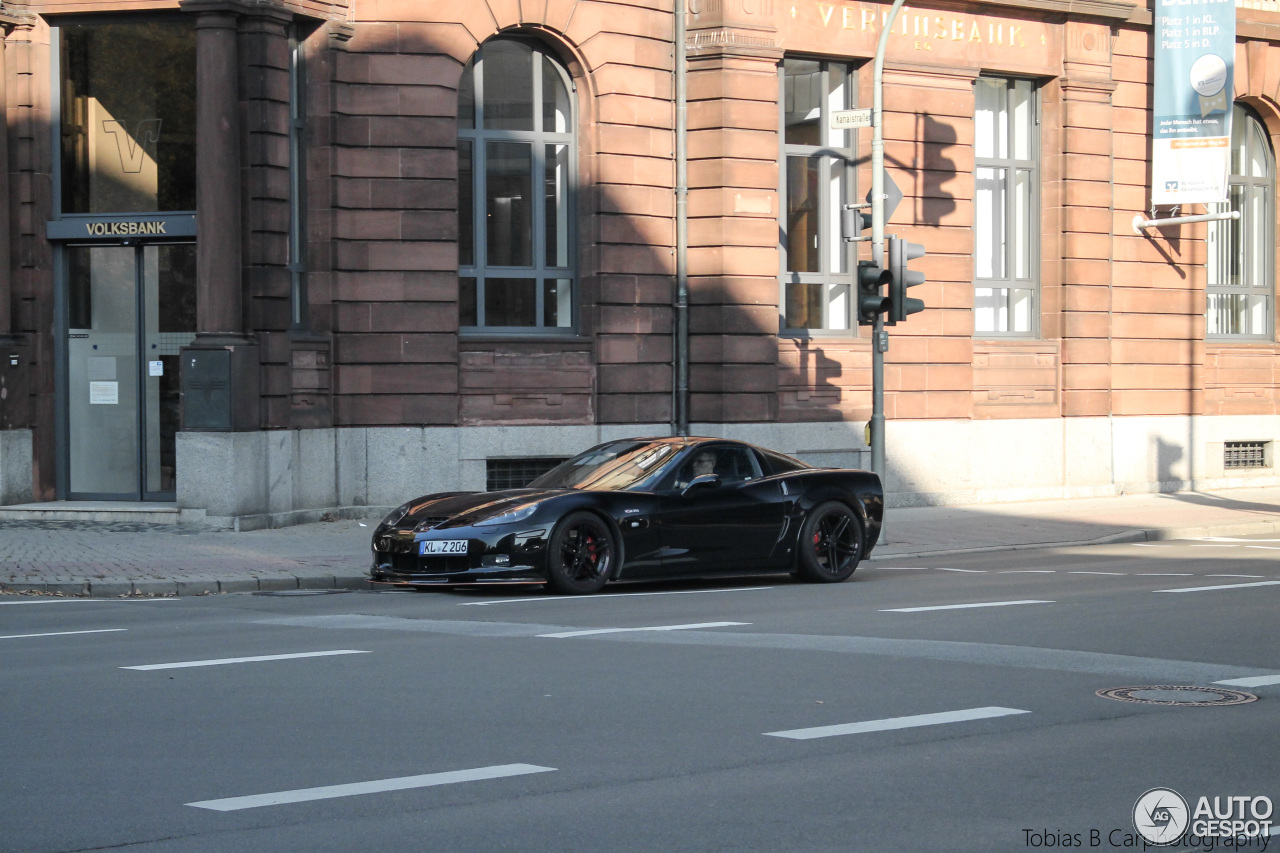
(901, 253)
(871, 299)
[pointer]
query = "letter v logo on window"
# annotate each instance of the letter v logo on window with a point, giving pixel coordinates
(133, 147)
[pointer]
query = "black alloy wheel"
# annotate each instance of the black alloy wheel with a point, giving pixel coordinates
(830, 544)
(580, 557)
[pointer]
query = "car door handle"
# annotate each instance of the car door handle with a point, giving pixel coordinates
(634, 523)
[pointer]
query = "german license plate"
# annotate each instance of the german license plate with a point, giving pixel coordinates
(442, 547)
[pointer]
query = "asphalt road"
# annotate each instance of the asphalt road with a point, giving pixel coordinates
(891, 712)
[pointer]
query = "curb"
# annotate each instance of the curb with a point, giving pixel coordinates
(1147, 534)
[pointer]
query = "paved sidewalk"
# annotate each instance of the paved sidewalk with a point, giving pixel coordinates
(104, 559)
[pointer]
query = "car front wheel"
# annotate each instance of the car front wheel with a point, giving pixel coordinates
(830, 544)
(581, 554)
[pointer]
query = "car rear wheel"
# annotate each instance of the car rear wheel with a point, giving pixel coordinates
(830, 544)
(581, 554)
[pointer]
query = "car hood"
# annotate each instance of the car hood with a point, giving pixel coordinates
(457, 509)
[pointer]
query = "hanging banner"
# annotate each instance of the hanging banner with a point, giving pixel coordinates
(1195, 49)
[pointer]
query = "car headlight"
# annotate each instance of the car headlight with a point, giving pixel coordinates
(395, 515)
(520, 513)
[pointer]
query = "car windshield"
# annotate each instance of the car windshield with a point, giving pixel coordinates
(612, 467)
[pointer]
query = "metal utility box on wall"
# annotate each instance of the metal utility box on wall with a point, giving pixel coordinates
(15, 385)
(220, 388)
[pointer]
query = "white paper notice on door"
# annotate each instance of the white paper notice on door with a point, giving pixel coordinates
(104, 393)
(155, 368)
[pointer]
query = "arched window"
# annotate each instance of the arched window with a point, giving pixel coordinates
(1241, 281)
(516, 165)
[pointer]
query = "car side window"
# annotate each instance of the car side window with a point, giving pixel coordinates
(731, 464)
(736, 465)
(782, 464)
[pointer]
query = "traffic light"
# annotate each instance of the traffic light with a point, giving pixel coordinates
(901, 277)
(871, 298)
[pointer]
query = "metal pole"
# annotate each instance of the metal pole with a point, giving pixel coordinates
(682, 226)
(1140, 222)
(880, 338)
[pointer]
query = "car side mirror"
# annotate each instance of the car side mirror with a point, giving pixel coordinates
(700, 482)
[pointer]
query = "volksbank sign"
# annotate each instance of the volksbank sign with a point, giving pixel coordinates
(1195, 43)
(123, 229)
(98, 227)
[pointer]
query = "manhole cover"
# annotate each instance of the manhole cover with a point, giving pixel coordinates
(1170, 695)
(301, 592)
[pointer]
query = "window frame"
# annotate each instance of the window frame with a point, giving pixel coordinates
(1004, 245)
(1262, 189)
(479, 138)
(829, 162)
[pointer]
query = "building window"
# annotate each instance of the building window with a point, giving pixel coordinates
(1241, 285)
(817, 179)
(515, 142)
(1006, 207)
(127, 93)
(297, 181)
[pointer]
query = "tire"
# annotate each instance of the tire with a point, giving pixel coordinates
(830, 544)
(581, 554)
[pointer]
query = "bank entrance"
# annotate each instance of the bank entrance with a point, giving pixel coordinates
(125, 254)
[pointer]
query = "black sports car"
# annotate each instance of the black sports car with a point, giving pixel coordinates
(640, 508)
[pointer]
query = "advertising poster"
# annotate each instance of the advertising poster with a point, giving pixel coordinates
(1195, 42)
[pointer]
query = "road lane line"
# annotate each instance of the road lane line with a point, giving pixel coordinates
(655, 628)
(1256, 681)
(963, 606)
(576, 598)
(976, 571)
(1221, 586)
(379, 786)
(1235, 576)
(1265, 547)
(1117, 574)
(255, 659)
(1166, 574)
(1028, 571)
(898, 723)
(62, 633)
(899, 568)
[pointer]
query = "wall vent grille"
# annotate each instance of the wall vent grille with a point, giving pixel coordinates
(516, 473)
(1245, 454)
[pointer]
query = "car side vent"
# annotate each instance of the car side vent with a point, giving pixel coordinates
(517, 473)
(1246, 454)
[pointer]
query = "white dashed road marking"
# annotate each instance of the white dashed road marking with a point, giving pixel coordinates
(578, 598)
(975, 571)
(222, 661)
(1117, 574)
(963, 606)
(1221, 586)
(897, 723)
(62, 633)
(379, 786)
(1256, 681)
(1028, 571)
(694, 627)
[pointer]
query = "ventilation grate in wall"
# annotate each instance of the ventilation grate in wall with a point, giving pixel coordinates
(516, 473)
(1245, 454)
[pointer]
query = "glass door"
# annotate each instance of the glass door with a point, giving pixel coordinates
(129, 311)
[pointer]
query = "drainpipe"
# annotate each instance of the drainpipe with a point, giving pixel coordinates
(682, 227)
